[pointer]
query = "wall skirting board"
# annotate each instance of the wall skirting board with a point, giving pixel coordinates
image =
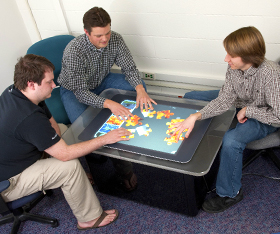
(176, 85)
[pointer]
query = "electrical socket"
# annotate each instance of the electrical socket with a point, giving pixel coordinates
(149, 76)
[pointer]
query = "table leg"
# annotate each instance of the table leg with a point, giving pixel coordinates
(192, 209)
(196, 189)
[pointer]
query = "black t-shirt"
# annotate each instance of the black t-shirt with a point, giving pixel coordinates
(25, 131)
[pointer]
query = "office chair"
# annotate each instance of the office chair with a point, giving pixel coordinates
(52, 48)
(266, 147)
(18, 210)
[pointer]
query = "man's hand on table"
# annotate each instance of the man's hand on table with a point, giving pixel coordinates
(118, 110)
(187, 124)
(116, 135)
(143, 100)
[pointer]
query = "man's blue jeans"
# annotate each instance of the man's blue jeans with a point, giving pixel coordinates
(74, 108)
(231, 155)
(207, 95)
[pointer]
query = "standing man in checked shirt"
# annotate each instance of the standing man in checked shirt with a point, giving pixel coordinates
(85, 73)
(252, 84)
(86, 65)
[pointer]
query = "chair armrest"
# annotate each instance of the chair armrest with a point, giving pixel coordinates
(4, 185)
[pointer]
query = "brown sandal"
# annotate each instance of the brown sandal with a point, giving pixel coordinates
(101, 218)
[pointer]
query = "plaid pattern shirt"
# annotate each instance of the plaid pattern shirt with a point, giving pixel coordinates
(258, 89)
(84, 67)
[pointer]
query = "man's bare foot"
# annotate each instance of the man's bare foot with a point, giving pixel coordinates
(106, 218)
(131, 183)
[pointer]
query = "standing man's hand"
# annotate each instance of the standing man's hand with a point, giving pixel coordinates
(118, 110)
(241, 115)
(143, 99)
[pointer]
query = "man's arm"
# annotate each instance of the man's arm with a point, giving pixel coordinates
(65, 152)
(77, 69)
(269, 113)
(55, 126)
(128, 67)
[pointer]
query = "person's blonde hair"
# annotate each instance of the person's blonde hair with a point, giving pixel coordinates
(247, 43)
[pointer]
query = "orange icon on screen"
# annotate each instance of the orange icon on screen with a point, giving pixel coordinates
(114, 120)
(165, 113)
(133, 121)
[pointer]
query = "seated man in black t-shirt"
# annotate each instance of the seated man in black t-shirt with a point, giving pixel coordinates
(27, 129)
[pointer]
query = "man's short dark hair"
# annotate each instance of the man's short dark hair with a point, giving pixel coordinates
(247, 43)
(96, 17)
(31, 67)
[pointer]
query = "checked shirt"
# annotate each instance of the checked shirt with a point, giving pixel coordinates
(258, 89)
(84, 67)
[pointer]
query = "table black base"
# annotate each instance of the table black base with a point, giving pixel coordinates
(159, 188)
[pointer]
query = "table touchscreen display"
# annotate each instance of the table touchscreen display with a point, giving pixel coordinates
(150, 134)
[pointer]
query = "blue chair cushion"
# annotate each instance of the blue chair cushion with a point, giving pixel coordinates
(19, 202)
(4, 185)
(23, 201)
(56, 107)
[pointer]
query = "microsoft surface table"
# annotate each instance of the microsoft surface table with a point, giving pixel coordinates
(194, 173)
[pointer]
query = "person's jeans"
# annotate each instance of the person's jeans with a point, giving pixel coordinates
(231, 155)
(74, 108)
(207, 95)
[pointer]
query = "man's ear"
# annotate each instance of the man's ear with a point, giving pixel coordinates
(31, 85)
(86, 32)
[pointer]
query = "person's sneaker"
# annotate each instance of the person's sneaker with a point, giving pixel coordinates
(220, 204)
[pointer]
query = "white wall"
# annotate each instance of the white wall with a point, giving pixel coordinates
(180, 41)
(14, 41)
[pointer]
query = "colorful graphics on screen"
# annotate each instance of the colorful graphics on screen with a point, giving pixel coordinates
(150, 128)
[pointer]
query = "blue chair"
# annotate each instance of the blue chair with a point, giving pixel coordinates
(18, 210)
(52, 48)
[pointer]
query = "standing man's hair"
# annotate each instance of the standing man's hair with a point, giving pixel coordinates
(247, 43)
(31, 67)
(96, 17)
